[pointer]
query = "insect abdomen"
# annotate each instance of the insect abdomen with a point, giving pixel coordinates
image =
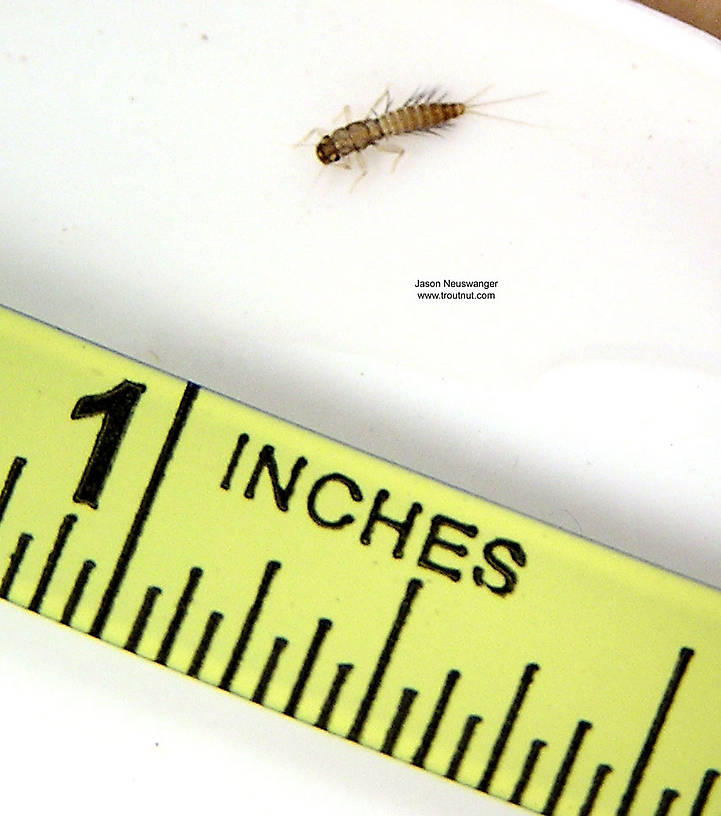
(419, 117)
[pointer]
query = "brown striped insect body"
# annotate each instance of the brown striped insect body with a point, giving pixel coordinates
(410, 118)
(422, 112)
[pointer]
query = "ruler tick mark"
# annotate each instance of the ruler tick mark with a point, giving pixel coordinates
(531, 758)
(179, 616)
(246, 632)
(667, 798)
(77, 591)
(269, 669)
(601, 773)
(507, 727)
(141, 620)
(399, 718)
(384, 660)
(146, 503)
(11, 479)
(462, 746)
(51, 563)
(432, 728)
(559, 783)
(326, 711)
(15, 560)
(206, 639)
(321, 631)
(703, 792)
(684, 657)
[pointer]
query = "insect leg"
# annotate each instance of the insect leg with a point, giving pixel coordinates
(391, 148)
(345, 163)
(314, 131)
(385, 95)
(346, 114)
(364, 170)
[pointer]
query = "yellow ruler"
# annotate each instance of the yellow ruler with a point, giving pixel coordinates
(340, 589)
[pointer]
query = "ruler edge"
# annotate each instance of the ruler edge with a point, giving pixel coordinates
(710, 590)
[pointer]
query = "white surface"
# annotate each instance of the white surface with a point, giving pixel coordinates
(150, 200)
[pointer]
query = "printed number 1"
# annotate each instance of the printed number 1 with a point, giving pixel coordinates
(117, 407)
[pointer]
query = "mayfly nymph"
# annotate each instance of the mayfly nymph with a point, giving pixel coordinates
(422, 112)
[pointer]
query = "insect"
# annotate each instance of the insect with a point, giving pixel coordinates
(423, 112)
